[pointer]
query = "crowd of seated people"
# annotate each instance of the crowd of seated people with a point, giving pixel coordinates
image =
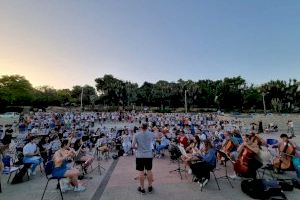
(72, 136)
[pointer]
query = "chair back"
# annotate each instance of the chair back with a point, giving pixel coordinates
(49, 167)
(272, 141)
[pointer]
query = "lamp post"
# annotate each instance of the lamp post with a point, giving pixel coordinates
(264, 103)
(185, 101)
(81, 96)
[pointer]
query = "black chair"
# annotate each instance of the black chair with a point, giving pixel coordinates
(48, 171)
(216, 179)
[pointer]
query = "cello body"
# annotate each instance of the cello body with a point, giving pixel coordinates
(241, 165)
(226, 148)
(284, 160)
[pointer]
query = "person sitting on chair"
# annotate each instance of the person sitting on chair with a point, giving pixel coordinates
(61, 168)
(182, 139)
(101, 144)
(208, 162)
(32, 155)
(196, 148)
(163, 143)
(81, 154)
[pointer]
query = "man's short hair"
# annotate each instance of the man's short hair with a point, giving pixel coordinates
(144, 126)
(283, 135)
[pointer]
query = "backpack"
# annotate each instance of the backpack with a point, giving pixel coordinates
(18, 178)
(121, 152)
(262, 189)
(175, 152)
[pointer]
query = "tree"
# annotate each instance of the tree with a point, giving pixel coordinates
(88, 94)
(111, 89)
(15, 90)
(145, 94)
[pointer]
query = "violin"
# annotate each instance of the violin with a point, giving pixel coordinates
(284, 160)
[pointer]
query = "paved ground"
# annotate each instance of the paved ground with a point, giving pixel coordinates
(169, 186)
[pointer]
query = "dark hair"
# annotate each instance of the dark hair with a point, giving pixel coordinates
(144, 126)
(283, 135)
(197, 139)
(64, 143)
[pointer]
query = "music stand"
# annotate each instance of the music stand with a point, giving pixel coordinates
(179, 169)
(226, 158)
(99, 166)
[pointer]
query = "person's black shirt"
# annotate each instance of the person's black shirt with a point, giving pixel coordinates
(7, 137)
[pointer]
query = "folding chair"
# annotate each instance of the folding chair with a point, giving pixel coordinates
(48, 171)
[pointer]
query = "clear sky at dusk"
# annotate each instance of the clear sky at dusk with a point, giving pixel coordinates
(72, 42)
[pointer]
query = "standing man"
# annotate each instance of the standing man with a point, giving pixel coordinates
(291, 128)
(142, 141)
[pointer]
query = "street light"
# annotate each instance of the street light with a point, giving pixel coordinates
(81, 96)
(264, 103)
(185, 101)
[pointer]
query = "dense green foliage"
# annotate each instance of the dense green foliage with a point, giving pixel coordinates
(228, 94)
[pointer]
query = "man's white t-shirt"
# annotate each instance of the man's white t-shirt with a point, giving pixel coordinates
(29, 148)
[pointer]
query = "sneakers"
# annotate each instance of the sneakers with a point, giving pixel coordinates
(142, 191)
(67, 187)
(150, 189)
(79, 188)
(204, 182)
(234, 176)
(29, 172)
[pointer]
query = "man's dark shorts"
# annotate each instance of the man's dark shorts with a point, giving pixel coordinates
(143, 163)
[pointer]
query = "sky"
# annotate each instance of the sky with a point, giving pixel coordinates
(62, 43)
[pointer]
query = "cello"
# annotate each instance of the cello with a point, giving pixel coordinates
(226, 148)
(284, 160)
(241, 165)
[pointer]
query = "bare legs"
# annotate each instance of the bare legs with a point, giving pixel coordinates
(149, 178)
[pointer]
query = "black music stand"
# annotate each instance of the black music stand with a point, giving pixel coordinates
(179, 169)
(226, 158)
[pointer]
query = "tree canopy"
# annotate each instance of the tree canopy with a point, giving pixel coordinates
(231, 93)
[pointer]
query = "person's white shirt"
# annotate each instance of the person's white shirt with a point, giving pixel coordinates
(34, 131)
(29, 148)
(291, 124)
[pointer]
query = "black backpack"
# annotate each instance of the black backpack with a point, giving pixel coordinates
(18, 178)
(174, 152)
(262, 189)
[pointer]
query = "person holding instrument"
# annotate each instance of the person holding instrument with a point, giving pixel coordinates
(247, 163)
(61, 168)
(208, 162)
(286, 150)
(32, 155)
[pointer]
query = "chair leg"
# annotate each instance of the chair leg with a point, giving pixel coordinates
(59, 187)
(45, 189)
(9, 177)
(216, 180)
